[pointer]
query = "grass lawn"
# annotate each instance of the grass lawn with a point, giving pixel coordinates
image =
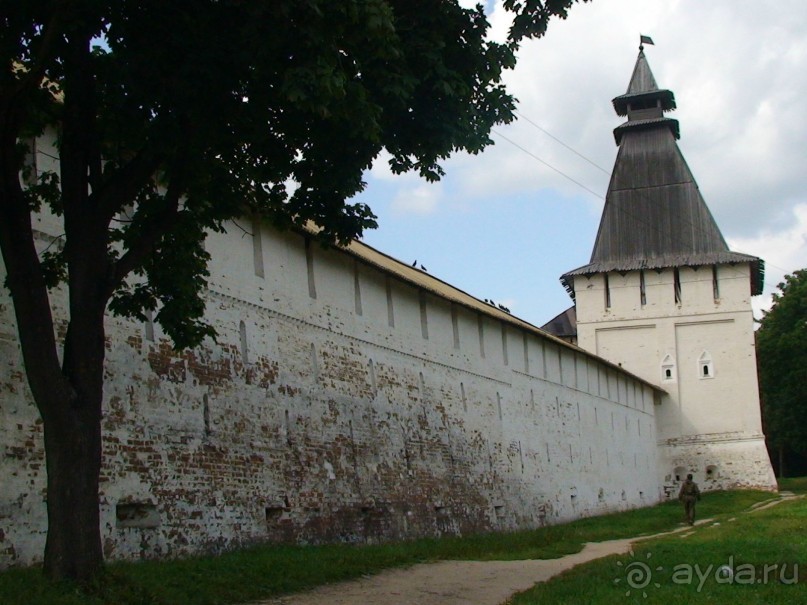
(797, 485)
(272, 570)
(766, 551)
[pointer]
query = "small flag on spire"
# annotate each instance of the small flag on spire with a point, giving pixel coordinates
(645, 40)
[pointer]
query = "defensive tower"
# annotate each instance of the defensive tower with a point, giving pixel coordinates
(665, 298)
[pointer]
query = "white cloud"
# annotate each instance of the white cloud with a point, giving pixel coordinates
(381, 170)
(423, 199)
(784, 251)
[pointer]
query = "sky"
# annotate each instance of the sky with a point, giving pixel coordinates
(507, 223)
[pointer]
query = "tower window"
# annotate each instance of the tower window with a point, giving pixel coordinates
(607, 292)
(715, 284)
(705, 366)
(677, 285)
(668, 368)
(642, 289)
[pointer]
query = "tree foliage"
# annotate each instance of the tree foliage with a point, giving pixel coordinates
(782, 355)
(173, 116)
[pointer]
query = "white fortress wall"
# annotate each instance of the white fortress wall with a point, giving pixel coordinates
(341, 403)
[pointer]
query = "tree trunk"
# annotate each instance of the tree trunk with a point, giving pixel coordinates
(73, 447)
(73, 548)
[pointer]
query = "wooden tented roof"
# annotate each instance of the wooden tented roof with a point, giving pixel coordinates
(655, 216)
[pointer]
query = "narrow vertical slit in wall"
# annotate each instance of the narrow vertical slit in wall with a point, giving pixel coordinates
(450, 448)
(149, 325)
(499, 403)
(578, 411)
(455, 325)
(481, 328)
(532, 400)
(526, 354)
(505, 356)
(642, 289)
(596, 416)
(206, 413)
(390, 311)
(521, 457)
(373, 384)
(607, 290)
(677, 285)
(356, 288)
(314, 363)
(257, 247)
(599, 380)
(424, 318)
(407, 459)
(464, 398)
(354, 451)
(288, 427)
(548, 458)
(31, 170)
(242, 329)
(715, 284)
(309, 264)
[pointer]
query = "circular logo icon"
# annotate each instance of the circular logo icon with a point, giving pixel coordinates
(638, 575)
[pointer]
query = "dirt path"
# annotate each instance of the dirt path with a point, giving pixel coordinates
(459, 582)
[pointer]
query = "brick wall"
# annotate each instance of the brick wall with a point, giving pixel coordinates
(340, 404)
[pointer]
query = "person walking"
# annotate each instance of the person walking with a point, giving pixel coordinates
(688, 495)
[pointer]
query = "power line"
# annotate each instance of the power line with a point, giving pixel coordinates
(548, 165)
(556, 139)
